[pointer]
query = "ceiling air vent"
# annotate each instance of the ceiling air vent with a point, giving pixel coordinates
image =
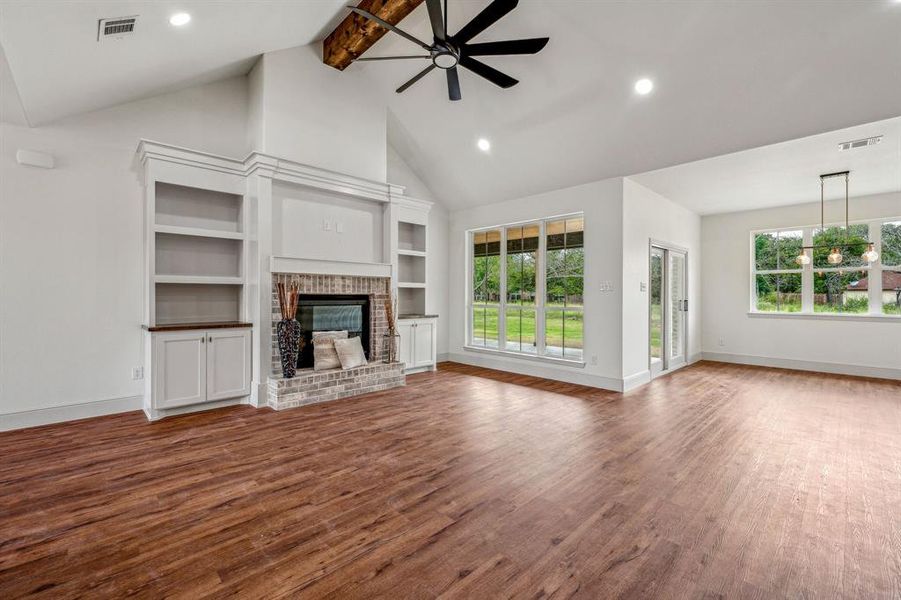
(114, 29)
(870, 141)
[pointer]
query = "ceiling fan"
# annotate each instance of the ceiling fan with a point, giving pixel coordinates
(448, 51)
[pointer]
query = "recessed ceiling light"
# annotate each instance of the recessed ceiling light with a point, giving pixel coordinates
(180, 19)
(644, 86)
(484, 145)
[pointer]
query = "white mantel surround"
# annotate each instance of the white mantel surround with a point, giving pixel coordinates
(289, 264)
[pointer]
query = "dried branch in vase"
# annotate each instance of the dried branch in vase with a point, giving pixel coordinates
(390, 311)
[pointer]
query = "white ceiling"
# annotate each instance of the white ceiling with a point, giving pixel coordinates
(729, 75)
(785, 173)
(60, 69)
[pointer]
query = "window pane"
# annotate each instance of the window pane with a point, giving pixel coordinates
(789, 247)
(556, 263)
(484, 327)
(572, 334)
(521, 331)
(493, 278)
(479, 270)
(574, 291)
(891, 244)
(891, 292)
(765, 252)
(556, 235)
(850, 244)
(574, 261)
(556, 291)
(521, 260)
(553, 333)
(574, 232)
(780, 293)
(656, 303)
(840, 292)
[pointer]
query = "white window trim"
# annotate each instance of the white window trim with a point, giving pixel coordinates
(540, 295)
(874, 275)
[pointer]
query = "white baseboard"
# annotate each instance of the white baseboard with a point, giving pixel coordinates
(637, 380)
(443, 357)
(804, 365)
(537, 370)
(157, 414)
(71, 412)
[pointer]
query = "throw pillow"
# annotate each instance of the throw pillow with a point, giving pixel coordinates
(324, 354)
(350, 353)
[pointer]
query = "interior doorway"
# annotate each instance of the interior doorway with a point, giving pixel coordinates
(667, 308)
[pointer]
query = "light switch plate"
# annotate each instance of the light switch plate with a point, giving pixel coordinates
(643, 286)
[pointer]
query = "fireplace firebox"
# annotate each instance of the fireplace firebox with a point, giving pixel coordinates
(328, 312)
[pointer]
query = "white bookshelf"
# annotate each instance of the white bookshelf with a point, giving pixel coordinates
(196, 249)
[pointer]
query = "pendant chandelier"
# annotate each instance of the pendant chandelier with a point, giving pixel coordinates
(835, 256)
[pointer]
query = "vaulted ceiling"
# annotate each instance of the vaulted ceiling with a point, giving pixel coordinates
(728, 76)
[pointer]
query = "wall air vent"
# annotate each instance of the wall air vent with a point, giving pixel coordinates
(116, 28)
(870, 141)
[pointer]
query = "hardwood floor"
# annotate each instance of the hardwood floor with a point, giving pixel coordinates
(716, 481)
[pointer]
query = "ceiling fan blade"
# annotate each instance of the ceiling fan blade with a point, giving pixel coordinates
(485, 19)
(445, 17)
(434, 7)
(388, 25)
(453, 84)
(529, 46)
(489, 73)
(389, 57)
(416, 78)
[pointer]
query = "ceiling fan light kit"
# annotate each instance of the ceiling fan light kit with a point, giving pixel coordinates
(448, 51)
(835, 256)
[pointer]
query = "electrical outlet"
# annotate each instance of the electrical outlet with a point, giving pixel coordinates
(722, 341)
(137, 373)
(643, 287)
(594, 359)
(339, 227)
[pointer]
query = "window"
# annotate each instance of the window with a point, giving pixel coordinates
(486, 287)
(777, 276)
(854, 286)
(533, 305)
(890, 235)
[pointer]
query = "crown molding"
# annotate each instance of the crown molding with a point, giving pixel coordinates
(272, 167)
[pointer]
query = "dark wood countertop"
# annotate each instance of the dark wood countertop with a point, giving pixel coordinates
(187, 326)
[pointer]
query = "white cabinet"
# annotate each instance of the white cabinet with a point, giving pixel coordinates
(197, 366)
(227, 364)
(418, 343)
(179, 369)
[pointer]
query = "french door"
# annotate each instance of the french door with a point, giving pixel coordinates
(668, 309)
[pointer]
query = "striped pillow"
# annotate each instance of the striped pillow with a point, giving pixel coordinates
(324, 354)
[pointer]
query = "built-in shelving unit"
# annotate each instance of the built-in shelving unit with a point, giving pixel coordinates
(411, 235)
(196, 251)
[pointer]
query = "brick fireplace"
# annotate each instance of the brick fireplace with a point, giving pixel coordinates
(309, 386)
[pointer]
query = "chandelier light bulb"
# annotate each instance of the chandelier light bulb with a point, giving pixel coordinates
(835, 257)
(870, 255)
(803, 258)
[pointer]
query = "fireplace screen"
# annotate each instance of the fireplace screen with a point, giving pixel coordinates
(321, 312)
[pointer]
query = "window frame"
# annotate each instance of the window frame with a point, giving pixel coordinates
(541, 308)
(808, 272)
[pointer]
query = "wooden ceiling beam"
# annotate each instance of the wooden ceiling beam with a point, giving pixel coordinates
(356, 34)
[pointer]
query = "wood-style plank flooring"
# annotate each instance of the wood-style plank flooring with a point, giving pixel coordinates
(716, 481)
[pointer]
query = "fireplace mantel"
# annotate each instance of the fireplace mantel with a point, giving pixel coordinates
(287, 264)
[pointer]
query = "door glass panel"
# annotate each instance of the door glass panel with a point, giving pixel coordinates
(677, 296)
(656, 308)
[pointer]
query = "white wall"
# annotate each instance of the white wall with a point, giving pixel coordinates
(649, 216)
(602, 203)
(400, 173)
(317, 115)
(305, 224)
(70, 243)
(864, 347)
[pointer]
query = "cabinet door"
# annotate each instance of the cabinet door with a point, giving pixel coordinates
(405, 329)
(423, 344)
(227, 363)
(179, 369)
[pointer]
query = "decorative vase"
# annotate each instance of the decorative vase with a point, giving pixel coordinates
(392, 346)
(288, 334)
